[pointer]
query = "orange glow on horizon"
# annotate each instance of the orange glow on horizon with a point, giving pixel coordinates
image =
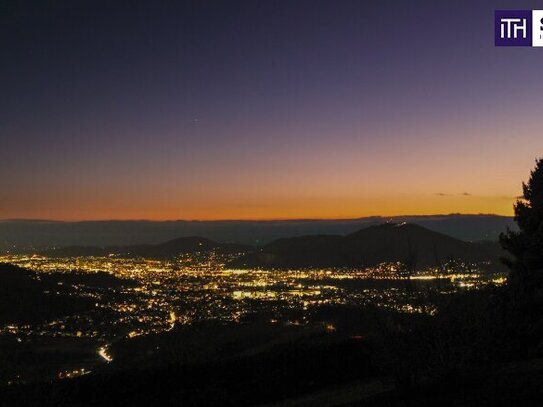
(303, 208)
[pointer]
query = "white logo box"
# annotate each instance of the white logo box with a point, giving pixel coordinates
(537, 28)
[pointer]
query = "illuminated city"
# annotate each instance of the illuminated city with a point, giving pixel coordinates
(256, 203)
(154, 296)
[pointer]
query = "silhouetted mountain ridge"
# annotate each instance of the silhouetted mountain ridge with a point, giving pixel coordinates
(31, 235)
(389, 242)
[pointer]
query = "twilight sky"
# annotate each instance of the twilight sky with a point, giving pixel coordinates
(263, 109)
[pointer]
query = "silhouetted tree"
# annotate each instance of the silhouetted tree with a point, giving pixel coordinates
(526, 245)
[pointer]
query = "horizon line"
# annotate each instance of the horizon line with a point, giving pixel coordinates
(253, 219)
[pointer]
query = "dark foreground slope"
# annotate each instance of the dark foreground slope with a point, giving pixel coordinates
(29, 301)
(278, 372)
(25, 299)
(406, 243)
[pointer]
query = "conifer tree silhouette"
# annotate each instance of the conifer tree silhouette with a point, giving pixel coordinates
(526, 245)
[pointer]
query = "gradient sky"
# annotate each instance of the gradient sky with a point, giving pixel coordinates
(263, 109)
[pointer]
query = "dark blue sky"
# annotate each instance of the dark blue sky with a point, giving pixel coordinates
(262, 109)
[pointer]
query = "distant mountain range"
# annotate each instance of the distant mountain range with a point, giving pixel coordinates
(32, 235)
(168, 249)
(410, 244)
